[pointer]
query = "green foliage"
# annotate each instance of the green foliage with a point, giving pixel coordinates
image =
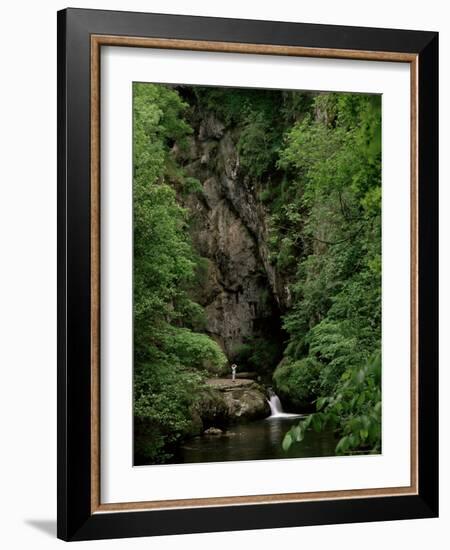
(164, 395)
(260, 117)
(314, 163)
(192, 185)
(258, 355)
(258, 143)
(193, 350)
(328, 236)
(170, 357)
(297, 382)
(355, 407)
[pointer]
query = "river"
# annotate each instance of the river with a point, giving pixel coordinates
(260, 439)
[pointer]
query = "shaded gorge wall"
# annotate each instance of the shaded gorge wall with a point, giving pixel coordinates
(242, 294)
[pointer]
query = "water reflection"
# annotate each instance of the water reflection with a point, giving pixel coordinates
(255, 440)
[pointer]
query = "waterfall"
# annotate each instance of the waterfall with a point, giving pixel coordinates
(276, 408)
(275, 405)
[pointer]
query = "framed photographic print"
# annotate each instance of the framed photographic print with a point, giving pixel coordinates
(247, 274)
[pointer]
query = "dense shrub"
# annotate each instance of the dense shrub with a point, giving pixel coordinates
(330, 236)
(171, 359)
(297, 383)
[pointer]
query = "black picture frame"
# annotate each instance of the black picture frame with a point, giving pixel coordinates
(76, 521)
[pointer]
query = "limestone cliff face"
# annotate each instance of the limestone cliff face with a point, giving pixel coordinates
(242, 294)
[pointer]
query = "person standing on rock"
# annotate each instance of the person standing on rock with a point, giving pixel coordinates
(233, 372)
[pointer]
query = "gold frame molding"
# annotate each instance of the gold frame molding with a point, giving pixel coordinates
(97, 41)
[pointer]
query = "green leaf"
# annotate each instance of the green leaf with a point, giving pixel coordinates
(361, 400)
(307, 422)
(298, 433)
(320, 403)
(353, 440)
(316, 422)
(343, 445)
(287, 442)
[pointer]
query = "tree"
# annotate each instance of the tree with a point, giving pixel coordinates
(333, 159)
(170, 359)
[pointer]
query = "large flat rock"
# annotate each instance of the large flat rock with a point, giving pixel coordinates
(227, 383)
(243, 399)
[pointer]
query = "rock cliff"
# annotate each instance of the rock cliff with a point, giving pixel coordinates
(241, 292)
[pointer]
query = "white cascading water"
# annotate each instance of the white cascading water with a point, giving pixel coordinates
(276, 409)
(275, 405)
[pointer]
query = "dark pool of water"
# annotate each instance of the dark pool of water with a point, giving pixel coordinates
(256, 440)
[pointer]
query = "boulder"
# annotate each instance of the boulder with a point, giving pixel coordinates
(212, 409)
(241, 400)
(213, 431)
(246, 403)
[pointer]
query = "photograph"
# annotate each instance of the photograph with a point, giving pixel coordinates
(256, 273)
(225, 282)
(247, 274)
